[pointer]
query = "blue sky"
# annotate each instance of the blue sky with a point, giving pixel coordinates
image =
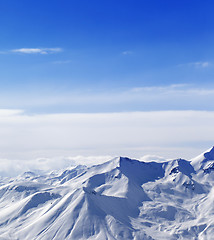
(105, 78)
(64, 56)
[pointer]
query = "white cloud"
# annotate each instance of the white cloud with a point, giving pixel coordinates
(14, 167)
(174, 87)
(37, 50)
(199, 64)
(173, 97)
(10, 112)
(127, 52)
(150, 158)
(55, 140)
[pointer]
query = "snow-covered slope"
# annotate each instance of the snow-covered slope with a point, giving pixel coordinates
(120, 199)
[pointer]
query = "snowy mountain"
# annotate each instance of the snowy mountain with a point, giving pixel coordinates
(120, 199)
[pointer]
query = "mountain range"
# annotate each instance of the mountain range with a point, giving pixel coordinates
(120, 199)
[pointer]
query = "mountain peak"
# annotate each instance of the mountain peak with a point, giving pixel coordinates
(209, 155)
(203, 160)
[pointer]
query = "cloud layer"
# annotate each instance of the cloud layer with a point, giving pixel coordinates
(53, 140)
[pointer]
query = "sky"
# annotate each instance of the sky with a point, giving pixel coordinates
(99, 61)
